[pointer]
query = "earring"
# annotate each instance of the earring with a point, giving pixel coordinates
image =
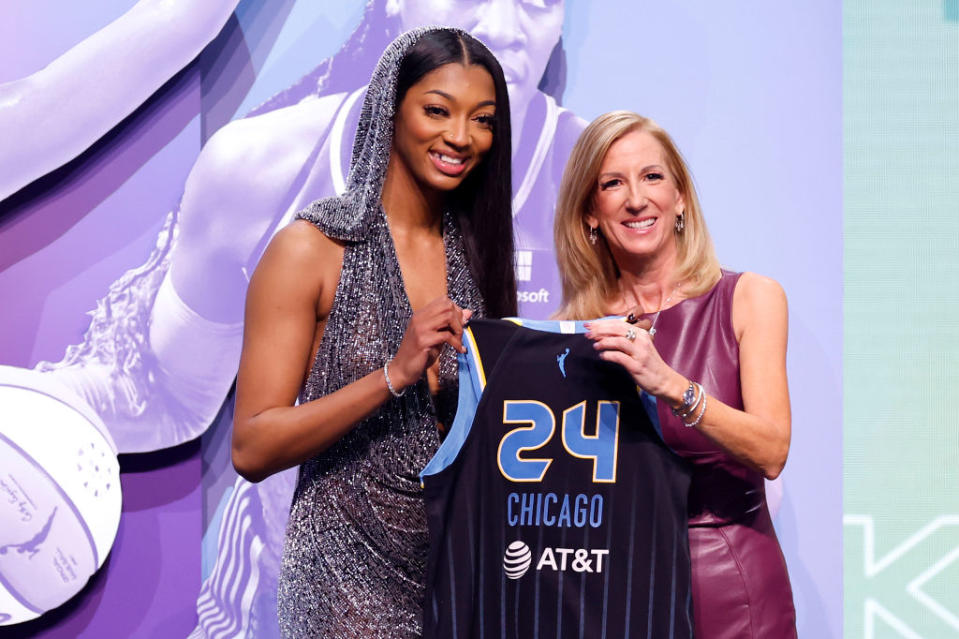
(592, 235)
(681, 222)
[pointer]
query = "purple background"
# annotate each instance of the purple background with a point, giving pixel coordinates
(752, 97)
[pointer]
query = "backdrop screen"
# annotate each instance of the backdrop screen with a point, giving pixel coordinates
(149, 151)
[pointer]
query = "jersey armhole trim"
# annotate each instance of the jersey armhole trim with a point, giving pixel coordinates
(472, 382)
(652, 411)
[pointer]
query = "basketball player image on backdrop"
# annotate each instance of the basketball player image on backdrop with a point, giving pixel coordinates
(348, 367)
(631, 239)
(162, 348)
(163, 345)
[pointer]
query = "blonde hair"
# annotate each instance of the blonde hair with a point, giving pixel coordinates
(588, 272)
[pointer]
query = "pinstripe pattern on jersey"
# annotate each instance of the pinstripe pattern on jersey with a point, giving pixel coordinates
(632, 575)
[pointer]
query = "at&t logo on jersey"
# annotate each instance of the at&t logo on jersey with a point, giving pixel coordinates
(518, 558)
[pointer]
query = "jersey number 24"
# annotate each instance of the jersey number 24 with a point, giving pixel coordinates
(538, 427)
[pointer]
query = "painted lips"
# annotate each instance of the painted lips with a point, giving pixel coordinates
(448, 164)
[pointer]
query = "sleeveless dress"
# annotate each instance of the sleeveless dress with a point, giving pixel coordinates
(740, 583)
(355, 547)
(355, 553)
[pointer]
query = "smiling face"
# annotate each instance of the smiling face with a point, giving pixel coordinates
(444, 126)
(636, 201)
(520, 33)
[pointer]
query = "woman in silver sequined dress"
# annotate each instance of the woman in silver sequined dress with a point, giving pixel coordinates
(355, 311)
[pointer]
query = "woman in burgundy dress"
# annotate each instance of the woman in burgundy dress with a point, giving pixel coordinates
(631, 240)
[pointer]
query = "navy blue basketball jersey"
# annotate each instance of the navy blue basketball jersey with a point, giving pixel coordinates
(554, 507)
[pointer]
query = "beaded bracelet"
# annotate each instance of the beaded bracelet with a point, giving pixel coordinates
(389, 384)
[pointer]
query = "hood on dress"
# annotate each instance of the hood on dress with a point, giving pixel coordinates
(348, 217)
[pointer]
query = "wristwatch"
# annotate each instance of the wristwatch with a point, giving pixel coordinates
(689, 398)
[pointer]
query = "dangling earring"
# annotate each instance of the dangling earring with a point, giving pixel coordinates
(592, 235)
(681, 222)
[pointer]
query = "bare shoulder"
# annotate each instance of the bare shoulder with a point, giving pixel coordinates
(758, 300)
(753, 288)
(282, 128)
(276, 140)
(302, 246)
(244, 173)
(300, 263)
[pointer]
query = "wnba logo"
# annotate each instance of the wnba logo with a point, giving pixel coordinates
(517, 559)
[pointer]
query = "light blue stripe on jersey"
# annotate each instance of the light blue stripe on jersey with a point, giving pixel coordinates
(471, 389)
(567, 327)
(649, 403)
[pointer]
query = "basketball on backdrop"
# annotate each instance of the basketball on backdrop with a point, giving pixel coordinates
(60, 494)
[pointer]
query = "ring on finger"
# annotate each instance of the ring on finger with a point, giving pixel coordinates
(631, 333)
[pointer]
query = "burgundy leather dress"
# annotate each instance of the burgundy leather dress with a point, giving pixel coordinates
(740, 584)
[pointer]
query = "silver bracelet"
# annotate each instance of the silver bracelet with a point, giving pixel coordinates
(700, 394)
(389, 384)
(702, 412)
(689, 400)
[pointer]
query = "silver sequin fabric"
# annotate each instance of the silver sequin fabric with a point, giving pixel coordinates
(354, 558)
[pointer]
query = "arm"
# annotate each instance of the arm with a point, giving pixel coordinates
(50, 117)
(758, 435)
(291, 292)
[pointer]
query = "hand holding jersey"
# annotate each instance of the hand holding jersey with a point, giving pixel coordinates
(439, 322)
(638, 355)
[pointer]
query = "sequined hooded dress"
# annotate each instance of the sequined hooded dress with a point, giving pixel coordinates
(354, 557)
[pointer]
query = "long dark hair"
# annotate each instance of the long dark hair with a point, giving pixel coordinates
(483, 203)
